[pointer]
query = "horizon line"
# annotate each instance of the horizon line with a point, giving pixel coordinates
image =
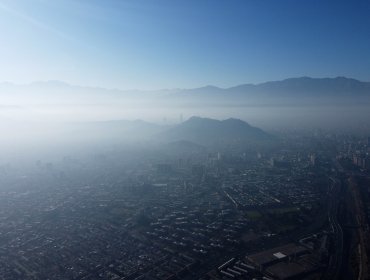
(65, 83)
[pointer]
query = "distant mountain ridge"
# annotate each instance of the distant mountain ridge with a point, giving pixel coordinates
(307, 84)
(295, 81)
(298, 83)
(292, 91)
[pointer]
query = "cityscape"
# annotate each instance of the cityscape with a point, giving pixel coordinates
(299, 210)
(184, 140)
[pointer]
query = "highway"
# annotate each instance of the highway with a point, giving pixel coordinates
(335, 262)
(361, 230)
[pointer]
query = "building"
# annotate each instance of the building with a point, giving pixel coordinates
(276, 255)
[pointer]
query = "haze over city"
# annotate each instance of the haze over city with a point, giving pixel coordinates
(181, 140)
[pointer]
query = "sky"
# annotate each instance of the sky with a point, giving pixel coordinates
(136, 44)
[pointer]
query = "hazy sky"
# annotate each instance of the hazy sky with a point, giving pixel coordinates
(172, 43)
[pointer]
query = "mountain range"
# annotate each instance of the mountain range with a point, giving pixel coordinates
(192, 134)
(293, 91)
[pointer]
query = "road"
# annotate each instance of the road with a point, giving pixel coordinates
(361, 230)
(335, 262)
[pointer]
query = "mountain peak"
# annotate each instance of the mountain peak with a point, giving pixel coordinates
(206, 131)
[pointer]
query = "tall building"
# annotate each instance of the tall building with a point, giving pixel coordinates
(313, 160)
